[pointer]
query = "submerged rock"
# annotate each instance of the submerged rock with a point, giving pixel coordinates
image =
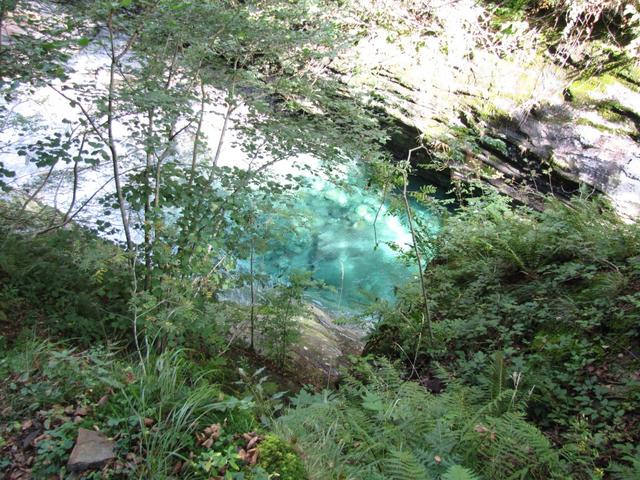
(92, 450)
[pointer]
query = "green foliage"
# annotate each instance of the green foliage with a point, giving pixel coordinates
(53, 452)
(536, 313)
(278, 324)
(597, 36)
(153, 410)
(457, 472)
(178, 401)
(210, 462)
(379, 426)
(555, 292)
(629, 466)
(75, 281)
(40, 374)
(44, 386)
(279, 459)
(267, 403)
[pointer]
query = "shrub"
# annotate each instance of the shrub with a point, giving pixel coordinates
(68, 283)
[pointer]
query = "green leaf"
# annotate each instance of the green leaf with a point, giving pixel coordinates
(84, 41)
(457, 472)
(372, 402)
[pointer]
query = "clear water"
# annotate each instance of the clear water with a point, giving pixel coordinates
(328, 229)
(330, 232)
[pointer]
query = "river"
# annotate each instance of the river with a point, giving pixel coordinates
(327, 228)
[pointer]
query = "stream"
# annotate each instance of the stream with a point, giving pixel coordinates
(327, 229)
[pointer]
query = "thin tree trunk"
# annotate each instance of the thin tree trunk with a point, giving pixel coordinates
(230, 108)
(427, 313)
(147, 209)
(2, 14)
(111, 140)
(37, 191)
(74, 195)
(253, 299)
(80, 208)
(196, 140)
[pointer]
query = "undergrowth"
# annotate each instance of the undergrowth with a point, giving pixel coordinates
(531, 373)
(379, 426)
(557, 294)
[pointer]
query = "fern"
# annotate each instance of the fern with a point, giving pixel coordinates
(508, 447)
(381, 427)
(402, 465)
(457, 472)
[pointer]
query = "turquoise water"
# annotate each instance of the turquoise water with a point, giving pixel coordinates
(329, 231)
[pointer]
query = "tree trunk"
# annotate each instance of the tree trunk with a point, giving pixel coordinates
(148, 265)
(253, 299)
(111, 140)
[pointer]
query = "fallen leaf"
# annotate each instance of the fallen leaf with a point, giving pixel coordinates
(213, 431)
(40, 438)
(252, 443)
(242, 453)
(480, 429)
(81, 411)
(252, 457)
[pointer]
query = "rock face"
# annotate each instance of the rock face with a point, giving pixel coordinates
(494, 107)
(92, 450)
(592, 153)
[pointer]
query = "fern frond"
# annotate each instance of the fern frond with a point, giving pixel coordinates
(403, 465)
(458, 472)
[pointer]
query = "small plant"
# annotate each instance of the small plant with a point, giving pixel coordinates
(215, 462)
(278, 325)
(280, 460)
(267, 404)
(53, 451)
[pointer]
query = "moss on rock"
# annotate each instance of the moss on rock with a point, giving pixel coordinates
(277, 457)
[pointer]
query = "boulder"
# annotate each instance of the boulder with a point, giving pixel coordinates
(92, 450)
(322, 348)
